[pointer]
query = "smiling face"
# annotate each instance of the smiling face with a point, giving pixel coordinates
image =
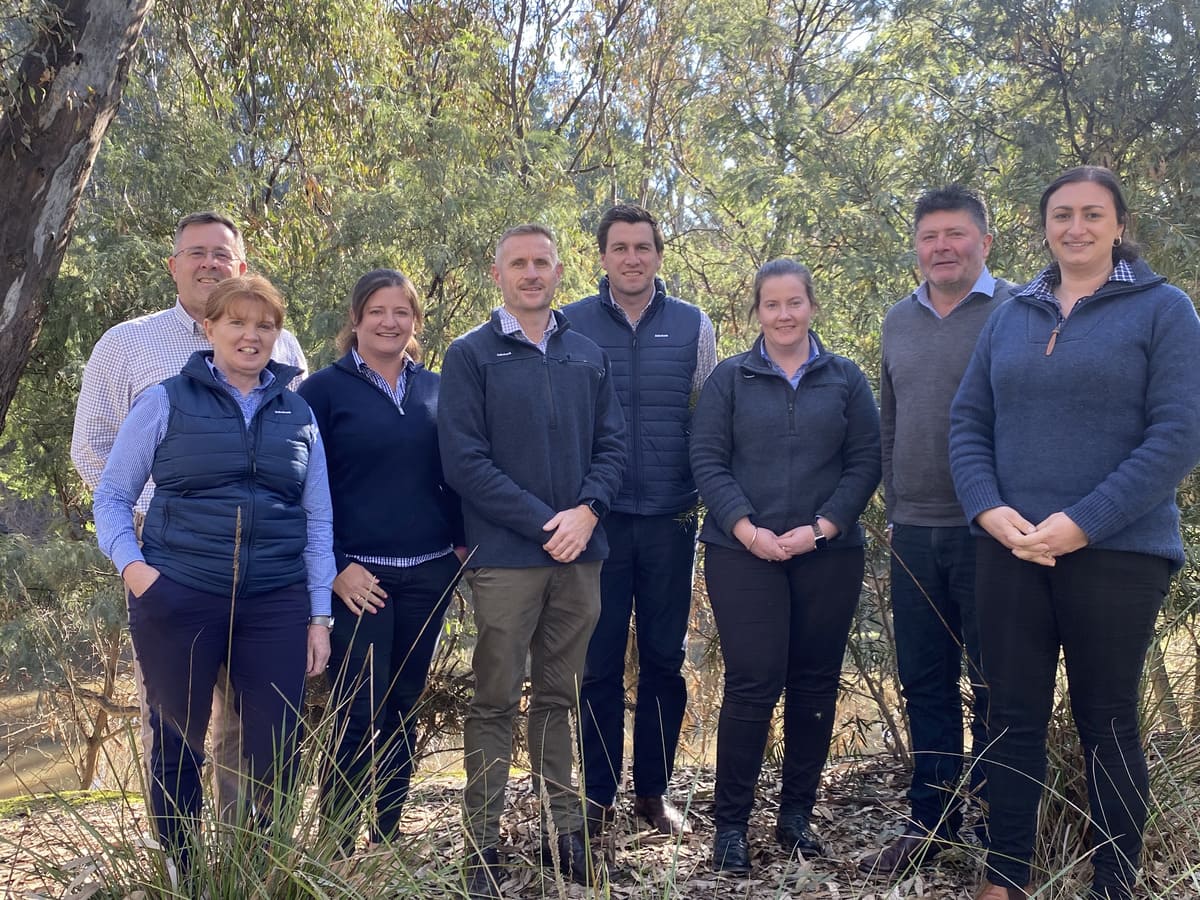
(951, 251)
(242, 339)
(385, 326)
(1081, 227)
(785, 312)
(205, 255)
(527, 272)
(631, 261)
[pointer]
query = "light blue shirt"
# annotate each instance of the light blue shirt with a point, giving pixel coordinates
(985, 284)
(794, 379)
(128, 470)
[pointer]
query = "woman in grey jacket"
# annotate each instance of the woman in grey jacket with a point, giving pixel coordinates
(785, 452)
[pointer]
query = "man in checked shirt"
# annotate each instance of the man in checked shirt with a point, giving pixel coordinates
(136, 355)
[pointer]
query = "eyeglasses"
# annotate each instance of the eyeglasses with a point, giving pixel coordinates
(220, 255)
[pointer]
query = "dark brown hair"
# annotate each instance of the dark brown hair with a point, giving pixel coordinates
(363, 290)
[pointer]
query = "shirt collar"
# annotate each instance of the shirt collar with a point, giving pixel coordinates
(360, 363)
(985, 284)
(186, 322)
(606, 297)
(1043, 285)
(813, 352)
(510, 325)
(265, 377)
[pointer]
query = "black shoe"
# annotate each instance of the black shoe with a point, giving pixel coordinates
(914, 848)
(574, 860)
(730, 853)
(599, 818)
(794, 836)
(484, 874)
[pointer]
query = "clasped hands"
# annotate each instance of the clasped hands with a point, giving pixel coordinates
(767, 545)
(1055, 536)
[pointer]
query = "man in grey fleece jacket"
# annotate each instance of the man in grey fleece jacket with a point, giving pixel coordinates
(927, 341)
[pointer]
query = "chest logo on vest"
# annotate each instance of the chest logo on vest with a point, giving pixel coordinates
(283, 412)
(662, 335)
(505, 353)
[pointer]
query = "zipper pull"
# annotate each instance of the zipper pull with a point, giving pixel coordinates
(1053, 339)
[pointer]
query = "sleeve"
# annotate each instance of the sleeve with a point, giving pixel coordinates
(972, 433)
(706, 353)
(887, 426)
(1171, 442)
(712, 454)
(126, 473)
(104, 401)
(467, 453)
(288, 351)
(607, 465)
(860, 455)
(318, 549)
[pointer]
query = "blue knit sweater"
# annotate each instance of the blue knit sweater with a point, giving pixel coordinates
(1103, 428)
(385, 471)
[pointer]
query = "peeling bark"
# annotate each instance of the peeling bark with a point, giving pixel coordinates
(68, 88)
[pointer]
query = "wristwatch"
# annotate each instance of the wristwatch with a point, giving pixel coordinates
(599, 510)
(819, 539)
(327, 621)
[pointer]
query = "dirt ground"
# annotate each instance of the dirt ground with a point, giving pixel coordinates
(861, 803)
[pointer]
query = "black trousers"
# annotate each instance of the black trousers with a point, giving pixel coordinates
(782, 625)
(1099, 606)
(379, 664)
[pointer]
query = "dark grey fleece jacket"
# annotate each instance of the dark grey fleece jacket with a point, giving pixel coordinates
(525, 435)
(784, 456)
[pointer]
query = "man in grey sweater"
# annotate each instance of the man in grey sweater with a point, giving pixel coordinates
(927, 341)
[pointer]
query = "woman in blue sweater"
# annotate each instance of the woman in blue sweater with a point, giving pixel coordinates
(397, 534)
(1075, 422)
(785, 452)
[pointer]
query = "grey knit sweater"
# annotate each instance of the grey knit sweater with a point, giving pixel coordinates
(924, 358)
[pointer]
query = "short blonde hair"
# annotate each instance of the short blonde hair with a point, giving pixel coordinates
(244, 287)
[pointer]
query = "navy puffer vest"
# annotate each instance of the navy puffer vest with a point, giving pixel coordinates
(210, 467)
(653, 367)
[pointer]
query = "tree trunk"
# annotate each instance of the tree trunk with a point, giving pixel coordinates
(66, 92)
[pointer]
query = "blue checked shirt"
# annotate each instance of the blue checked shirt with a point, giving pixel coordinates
(1042, 287)
(510, 325)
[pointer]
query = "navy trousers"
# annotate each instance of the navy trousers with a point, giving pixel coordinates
(379, 664)
(933, 607)
(648, 573)
(183, 637)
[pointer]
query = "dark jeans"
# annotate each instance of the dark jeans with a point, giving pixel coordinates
(649, 569)
(1100, 607)
(782, 625)
(379, 664)
(182, 638)
(933, 606)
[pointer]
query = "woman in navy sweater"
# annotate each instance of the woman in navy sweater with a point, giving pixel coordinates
(1074, 423)
(785, 452)
(398, 535)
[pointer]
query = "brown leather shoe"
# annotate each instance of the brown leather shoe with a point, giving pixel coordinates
(911, 849)
(662, 814)
(989, 891)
